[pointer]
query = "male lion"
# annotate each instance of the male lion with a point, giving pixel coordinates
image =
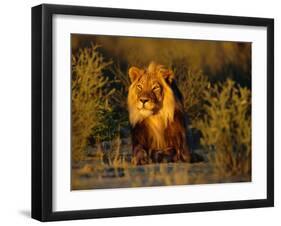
(156, 116)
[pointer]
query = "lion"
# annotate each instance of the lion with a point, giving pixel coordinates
(156, 116)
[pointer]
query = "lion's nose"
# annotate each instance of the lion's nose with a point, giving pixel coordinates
(144, 100)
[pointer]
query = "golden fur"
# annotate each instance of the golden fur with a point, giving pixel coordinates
(156, 121)
(152, 105)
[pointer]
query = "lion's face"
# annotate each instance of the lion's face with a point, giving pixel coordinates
(149, 92)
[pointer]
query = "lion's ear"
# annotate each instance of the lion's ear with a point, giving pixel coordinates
(168, 75)
(134, 73)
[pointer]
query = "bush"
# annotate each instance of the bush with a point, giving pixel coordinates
(226, 128)
(121, 84)
(89, 97)
(192, 85)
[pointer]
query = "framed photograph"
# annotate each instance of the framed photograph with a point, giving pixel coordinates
(146, 112)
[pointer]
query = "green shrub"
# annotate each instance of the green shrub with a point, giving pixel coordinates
(121, 84)
(192, 85)
(89, 97)
(226, 128)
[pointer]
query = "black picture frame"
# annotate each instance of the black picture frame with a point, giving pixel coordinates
(42, 197)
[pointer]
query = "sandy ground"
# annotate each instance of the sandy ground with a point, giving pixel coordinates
(93, 173)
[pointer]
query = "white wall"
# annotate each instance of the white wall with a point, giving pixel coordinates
(15, 93)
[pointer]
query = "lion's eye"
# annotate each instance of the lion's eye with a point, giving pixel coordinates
(139, 87)
(156, 88)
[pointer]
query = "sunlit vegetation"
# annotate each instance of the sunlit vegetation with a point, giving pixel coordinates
(89, 98)
(215, 81)
(226, 128)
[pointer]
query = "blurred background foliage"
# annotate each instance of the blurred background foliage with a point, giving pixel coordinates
(219, 60)
(213, 76)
